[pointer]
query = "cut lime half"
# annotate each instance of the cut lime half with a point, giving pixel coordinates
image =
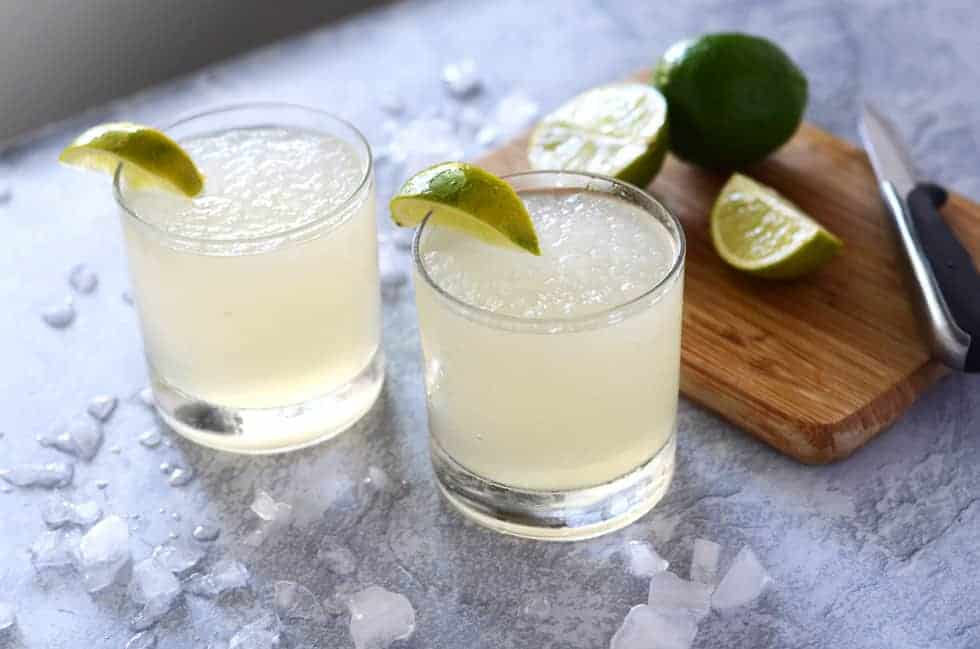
(149, 158)
(757, 231)
(618, 130)
(465, 197)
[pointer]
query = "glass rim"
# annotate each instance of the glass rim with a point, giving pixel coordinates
(289, 233)
(603, 317)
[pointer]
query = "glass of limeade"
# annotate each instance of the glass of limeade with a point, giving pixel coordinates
(259, 299)
(552, 381)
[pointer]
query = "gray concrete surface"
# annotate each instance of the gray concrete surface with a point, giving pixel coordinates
(879, 551)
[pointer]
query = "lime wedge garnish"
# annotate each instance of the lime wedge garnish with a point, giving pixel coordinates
(758, 231)
(149, 158)
(617, 130)
(464, 197)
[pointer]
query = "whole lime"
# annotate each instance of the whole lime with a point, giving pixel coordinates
(732, 98)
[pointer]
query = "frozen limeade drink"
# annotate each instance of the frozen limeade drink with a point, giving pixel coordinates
(552, 380)
(258, 296)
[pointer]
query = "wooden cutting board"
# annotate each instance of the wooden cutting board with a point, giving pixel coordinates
(814, 367)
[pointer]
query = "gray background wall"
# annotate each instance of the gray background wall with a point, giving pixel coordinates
(58, 57)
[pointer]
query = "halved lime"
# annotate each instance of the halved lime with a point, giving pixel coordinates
(149, 158)
(465, 197)
(616, 130)
(759, 232)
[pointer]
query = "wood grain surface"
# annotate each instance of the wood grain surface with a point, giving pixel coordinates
(814, 367)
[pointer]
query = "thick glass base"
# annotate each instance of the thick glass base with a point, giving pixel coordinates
(556, 515)
(259, 431)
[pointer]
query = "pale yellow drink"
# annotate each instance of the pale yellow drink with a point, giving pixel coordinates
(556, 373)
(260, 297)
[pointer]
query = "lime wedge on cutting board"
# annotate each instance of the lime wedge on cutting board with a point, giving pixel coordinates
(757, 231)
(616, 130)
(149, 158)
(465, 197)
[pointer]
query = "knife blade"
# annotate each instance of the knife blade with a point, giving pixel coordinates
(947, 282)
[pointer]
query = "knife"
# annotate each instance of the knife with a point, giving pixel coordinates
(947, 281)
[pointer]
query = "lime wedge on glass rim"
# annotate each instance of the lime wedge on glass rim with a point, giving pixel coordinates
(465, 197)
(617, 130)
(757, 231)
(149, 158)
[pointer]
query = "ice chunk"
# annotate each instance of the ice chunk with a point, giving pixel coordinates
(379, 617)
(180, 476)
(515, 111)
(704, 561)
(151, 438)
(263, 633)
(83, 279)
(294, 601)
(177, 557)
(142, 640)
(8, 616)
(55, 549)
(45, 476)
(462, 78)
(268, 508)
(337, 558)
(102, 406)
(59, 316)
(226, 575)
(206, 533)
(338, 602)
(81, 438)
(668, 592)
(648, 628)
(273, 516)
(146, 397)
(643, 559)
(103, 552)
(421, 143)
(59, 513)
(155, 588)
(744, 582)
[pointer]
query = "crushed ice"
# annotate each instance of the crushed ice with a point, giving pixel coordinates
(675, 607)
(462, 78)
(59, 513)
(180, 476)
(82, 437)
(102, 406)
(273, 516)
(55, 549)
(225, 575)
(59, 316)
(178, 558)
(379, 617)
(263, 633)
(643, 560)
(293, 601)
(83, 279)
(103, 552)
(44, 476)
(743, 583)
(206, 533)
(155, 588)
(704, 561)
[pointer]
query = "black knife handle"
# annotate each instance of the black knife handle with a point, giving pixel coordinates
(951, 264)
